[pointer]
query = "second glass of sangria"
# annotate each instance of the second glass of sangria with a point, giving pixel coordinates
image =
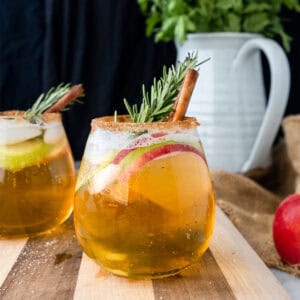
(37, 175)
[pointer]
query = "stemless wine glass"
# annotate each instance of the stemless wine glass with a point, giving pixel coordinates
(144, 202)
(37, 176)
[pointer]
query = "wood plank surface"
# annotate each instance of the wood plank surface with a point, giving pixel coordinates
(9, 252)
(95, 283)
(201, 281)
(47, 267)
(53, 267)
(245, 272)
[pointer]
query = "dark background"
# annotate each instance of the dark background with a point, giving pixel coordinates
(100, 43)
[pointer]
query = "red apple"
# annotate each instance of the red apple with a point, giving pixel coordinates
(286, 229)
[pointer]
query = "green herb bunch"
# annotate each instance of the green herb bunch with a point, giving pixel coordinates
(158, 104)
(174, 19)
(47, 100)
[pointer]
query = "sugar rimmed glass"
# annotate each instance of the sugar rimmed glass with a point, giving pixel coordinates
(144, 202)
(37, 175)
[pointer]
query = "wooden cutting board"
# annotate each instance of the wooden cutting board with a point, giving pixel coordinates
(53, 267)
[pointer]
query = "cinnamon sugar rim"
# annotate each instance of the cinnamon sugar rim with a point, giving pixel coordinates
(19, 114)
(124, 123)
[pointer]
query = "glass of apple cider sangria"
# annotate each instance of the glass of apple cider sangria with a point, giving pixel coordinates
(36, 174)
(144, 201)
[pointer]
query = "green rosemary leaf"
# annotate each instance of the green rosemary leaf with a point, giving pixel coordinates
(45, 101)
(158, 104)
(128, 108)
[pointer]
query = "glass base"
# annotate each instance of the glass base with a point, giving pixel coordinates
(145, 275)
(26, 235)
(53, 230)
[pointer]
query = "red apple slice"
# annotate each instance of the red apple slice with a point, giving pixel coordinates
(141, 150)
(177, 181)
(108, 173)
(123, 153)
(158, 152)
(141, 141)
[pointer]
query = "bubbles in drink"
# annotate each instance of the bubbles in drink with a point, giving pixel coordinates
(36, 176)
(144, 203)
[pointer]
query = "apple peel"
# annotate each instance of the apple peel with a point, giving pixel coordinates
(156, 153)
(286, 229)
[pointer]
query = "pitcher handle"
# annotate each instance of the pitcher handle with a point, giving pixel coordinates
(278, 96)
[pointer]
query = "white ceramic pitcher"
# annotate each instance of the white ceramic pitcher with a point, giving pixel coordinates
(238, 127)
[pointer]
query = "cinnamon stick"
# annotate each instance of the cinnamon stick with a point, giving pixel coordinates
(185, 94)
(75, 92)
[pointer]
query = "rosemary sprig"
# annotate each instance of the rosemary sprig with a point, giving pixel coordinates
(157, 105)
(45, 101)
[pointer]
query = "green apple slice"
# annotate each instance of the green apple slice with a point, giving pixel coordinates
(143, 157)
(127, 161)
(134, 156)
(138, 152)
(18, 156)
(109, 171)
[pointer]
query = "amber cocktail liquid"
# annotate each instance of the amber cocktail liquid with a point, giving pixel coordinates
(36, 175)
(144, 203)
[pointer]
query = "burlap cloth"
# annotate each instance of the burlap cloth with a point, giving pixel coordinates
(250, 199)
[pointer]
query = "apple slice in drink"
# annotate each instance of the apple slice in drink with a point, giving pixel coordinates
(109, 168)
(137, 153)
(31, 151)
(141, 156)
(126, 162)
(14, 132)
(11, 136)
(139, 143)
(172, 180)
(24, 154)
(118, 178)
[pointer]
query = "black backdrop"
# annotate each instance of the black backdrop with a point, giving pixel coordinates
(100, 43)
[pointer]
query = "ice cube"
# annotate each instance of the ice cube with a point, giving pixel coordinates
(103, 178)
(14, 135)
(53, 133)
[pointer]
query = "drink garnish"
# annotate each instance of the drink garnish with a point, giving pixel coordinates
(185, 94)
(55, 100)
(159, 104)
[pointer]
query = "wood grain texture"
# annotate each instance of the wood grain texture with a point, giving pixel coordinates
(201, 281)
(245, 272)
(47, 267)
(95, 283)
(52, 267)
(9, 252)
